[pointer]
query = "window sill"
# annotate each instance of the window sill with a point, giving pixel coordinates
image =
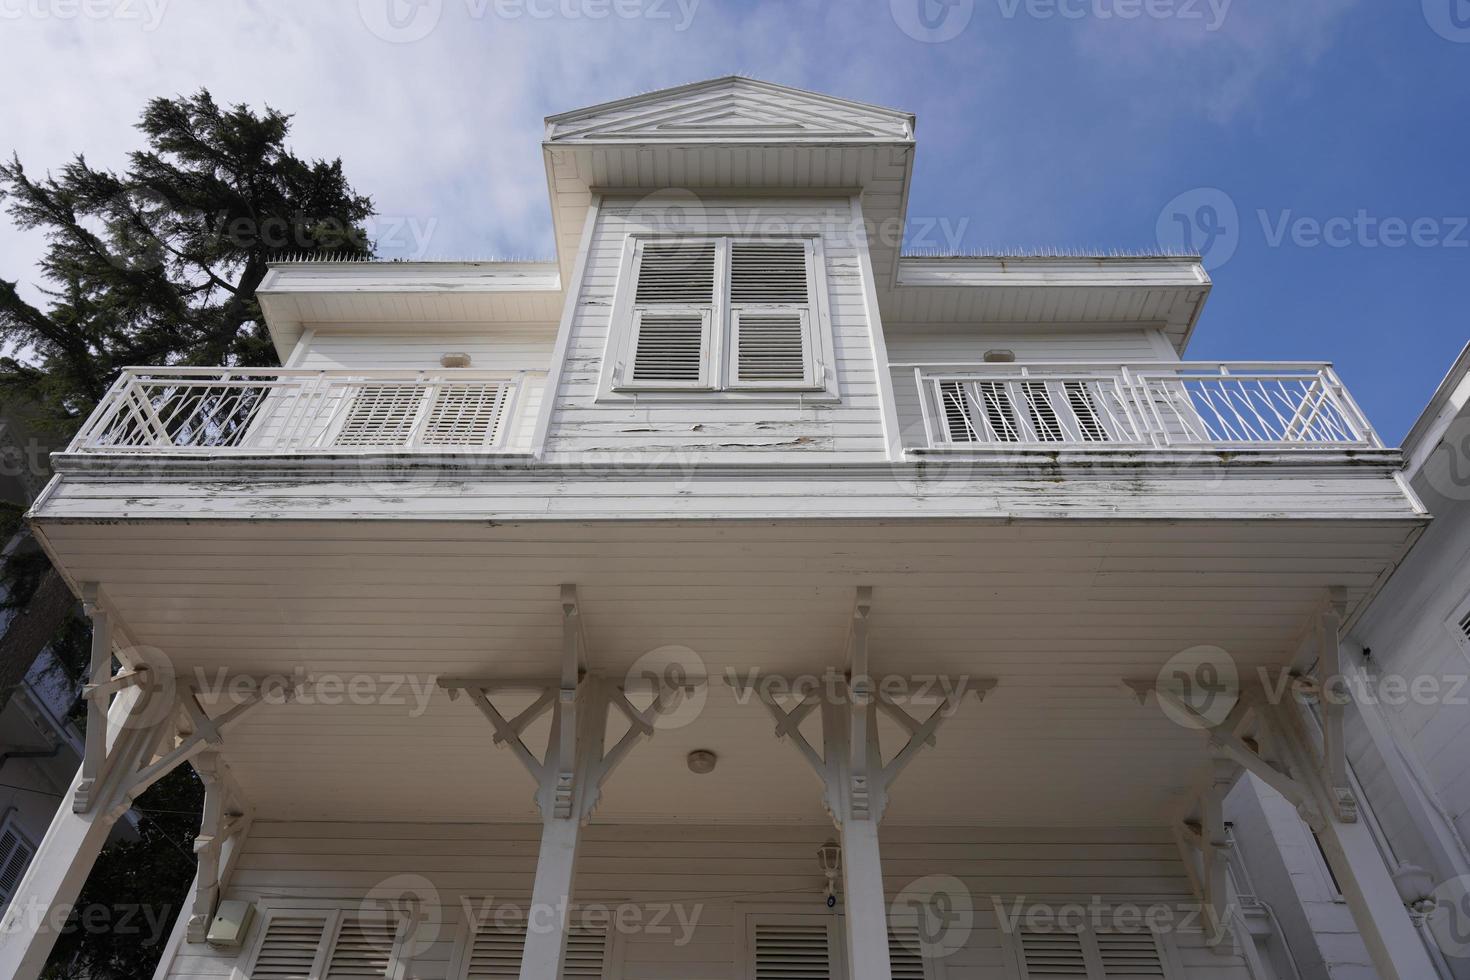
(703, 396)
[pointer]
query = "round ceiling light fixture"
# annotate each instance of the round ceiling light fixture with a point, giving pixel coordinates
(702, 761)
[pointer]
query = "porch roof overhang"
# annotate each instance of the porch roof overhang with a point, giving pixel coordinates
(1060, 612)
(297, 295)
(1167, 292)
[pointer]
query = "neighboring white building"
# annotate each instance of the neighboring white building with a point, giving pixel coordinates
(1410, 666)
(542, 551)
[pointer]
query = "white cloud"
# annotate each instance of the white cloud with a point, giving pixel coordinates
(1215, 56)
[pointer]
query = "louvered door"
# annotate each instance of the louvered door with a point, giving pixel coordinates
(362, 948)
(1129, 956)
(291, 946)
(1090, 955)
(792, 947)
(771, 309)
(493, 952)
(1047, 955)
(905, 953)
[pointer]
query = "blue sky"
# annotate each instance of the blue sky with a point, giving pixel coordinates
(1317, 148)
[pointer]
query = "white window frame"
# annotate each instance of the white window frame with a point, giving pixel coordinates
(332, 917)
(1016, 958)
(718, 381)
(11, 824)
(464, 940)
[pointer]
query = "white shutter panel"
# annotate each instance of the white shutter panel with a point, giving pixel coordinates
(1129, 956)
(769, 273)
(1052, 956)
(673, 314)
(466, 414)
(793, 951)
(772, 350)
(362, 948)
(773, 339)
(381, 415)
(15, 856)
(671, 350)
(1465, 627)
(289, 948)
(495, 952)
(680, 273)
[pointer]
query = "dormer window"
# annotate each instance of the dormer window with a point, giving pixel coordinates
(721, 314)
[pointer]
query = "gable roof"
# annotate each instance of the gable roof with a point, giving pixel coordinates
(732, 109)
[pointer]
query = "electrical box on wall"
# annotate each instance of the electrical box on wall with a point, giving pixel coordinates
(230, 924)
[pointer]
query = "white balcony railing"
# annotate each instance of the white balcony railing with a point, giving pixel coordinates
(1139, 406)
(270, 411)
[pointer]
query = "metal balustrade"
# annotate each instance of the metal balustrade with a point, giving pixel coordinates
(1140, 406)
(270, 411)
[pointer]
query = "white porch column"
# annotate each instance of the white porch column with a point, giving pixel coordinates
(865, 902)
(569, 774)
(856, 781)
(1396, 946)
(546, 927)
(49, 889)
(47, 893)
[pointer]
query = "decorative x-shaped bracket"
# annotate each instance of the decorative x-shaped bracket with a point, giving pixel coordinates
(855, 779)
(159, 726)
(576, 763)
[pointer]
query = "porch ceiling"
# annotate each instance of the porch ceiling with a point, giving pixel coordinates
(1058, 612)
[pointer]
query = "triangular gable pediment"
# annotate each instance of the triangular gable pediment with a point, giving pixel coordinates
(731, 110)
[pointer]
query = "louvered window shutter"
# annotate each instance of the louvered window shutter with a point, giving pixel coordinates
(290, 947)
(1052, 956)
(793, 950)
(673, 315)
(362, 948)
(1464, 626)
(15, 855)
(771, 312)
(1129, 956)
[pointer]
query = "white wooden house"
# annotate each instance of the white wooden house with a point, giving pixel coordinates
(486, 618)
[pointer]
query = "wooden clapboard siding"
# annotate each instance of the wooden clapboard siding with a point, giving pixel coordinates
(709, 427)
(398, 347)
(715, 873)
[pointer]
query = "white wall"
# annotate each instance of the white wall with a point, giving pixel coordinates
(716, 873)
(711, 428)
